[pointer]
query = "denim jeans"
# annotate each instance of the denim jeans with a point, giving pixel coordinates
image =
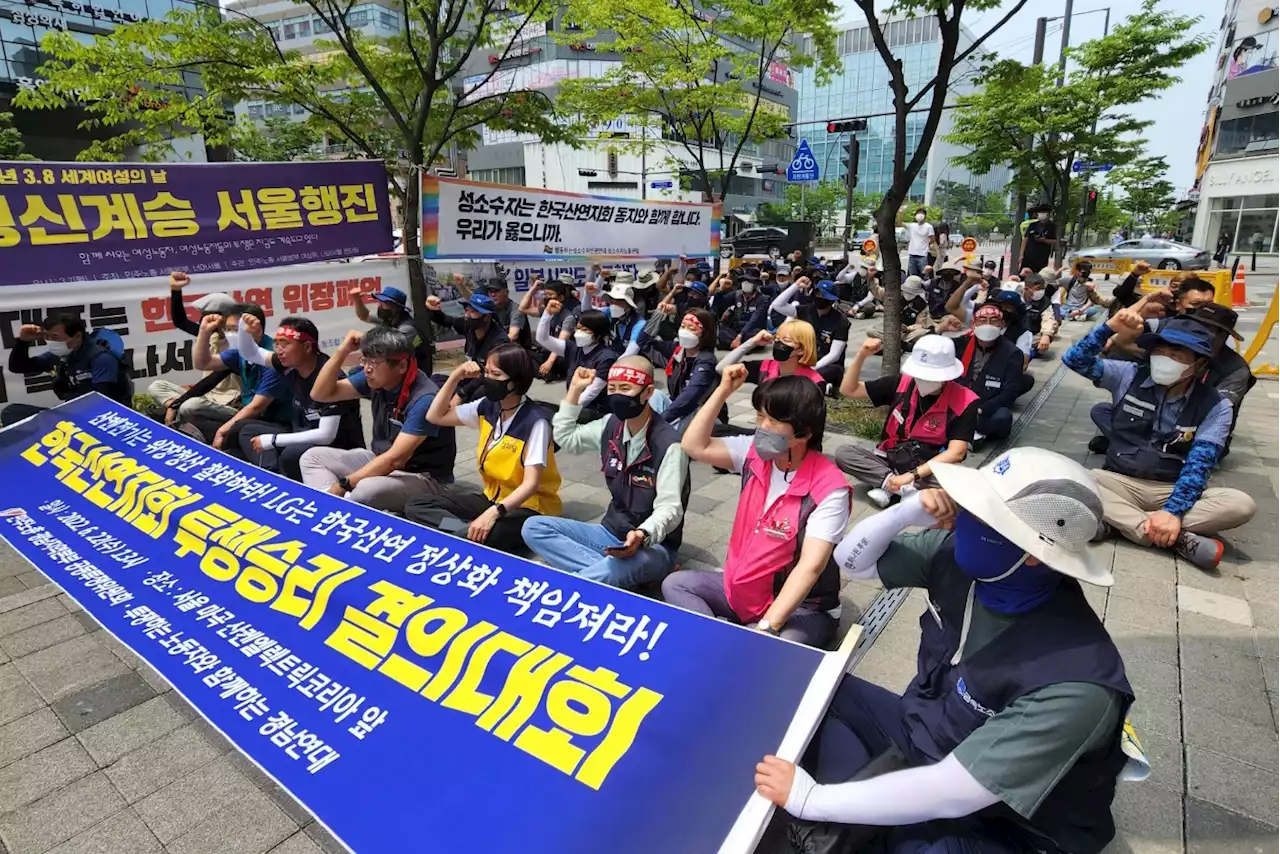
(578, 547)
(916, 264)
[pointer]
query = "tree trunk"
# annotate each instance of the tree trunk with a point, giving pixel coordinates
(891, 281)
(412, 207)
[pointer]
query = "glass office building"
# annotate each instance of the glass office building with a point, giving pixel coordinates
(861, 89)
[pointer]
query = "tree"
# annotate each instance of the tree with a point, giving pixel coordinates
(820, 203)
(1019, 115)
(276, 140)
(11, 145)
(694, 74)
(1147, 191)
(934, 94)
(400, 99)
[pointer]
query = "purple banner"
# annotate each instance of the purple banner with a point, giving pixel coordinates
(75, 222)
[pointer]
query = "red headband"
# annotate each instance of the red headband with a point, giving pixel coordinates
(621, 374)
(295, 334)
(988, 310)
(693, 321)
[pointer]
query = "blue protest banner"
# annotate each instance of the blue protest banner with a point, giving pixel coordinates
(414, 691)
(803, 167)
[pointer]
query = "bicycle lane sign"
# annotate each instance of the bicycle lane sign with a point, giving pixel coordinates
(803, 167)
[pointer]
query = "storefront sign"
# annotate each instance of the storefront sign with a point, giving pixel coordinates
(62, 222)
(463, 219)
(414, 691)
(1259, 101)
(118, 16)
(1243, 175)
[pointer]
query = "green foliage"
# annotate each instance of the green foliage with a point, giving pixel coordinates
(1148, 192)
(685, 75)
(969, 210)
(11, 145)
(820, 203)
(276, 140)
(1087, 118)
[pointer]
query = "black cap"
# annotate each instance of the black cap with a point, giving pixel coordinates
(1217, 316)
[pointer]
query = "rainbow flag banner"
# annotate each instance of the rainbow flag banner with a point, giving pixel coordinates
(463, 219)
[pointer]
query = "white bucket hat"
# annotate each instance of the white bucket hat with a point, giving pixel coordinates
(624, 277)
(623, 292)
(1047, 505)
(216, 303)
(933, 359)
(647, 279)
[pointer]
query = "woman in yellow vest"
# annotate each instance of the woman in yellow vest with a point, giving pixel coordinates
(515, 456)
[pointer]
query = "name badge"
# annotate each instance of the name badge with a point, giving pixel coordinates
(994, 383)
(395, 423)
(898, 416)
(643, 481)
(1133, 410)
(779, 529)
(311, 415)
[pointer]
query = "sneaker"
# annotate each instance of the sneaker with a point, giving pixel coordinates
(1099, 445)
(978, 439)
(1103, 532)
(879, 497)
(1204, 552)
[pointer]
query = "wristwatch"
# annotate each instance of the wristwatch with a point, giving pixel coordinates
(648, 538)
(763, 626)
(502, 510)
(345, 484)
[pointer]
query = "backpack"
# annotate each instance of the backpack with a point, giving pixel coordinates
(109, 340)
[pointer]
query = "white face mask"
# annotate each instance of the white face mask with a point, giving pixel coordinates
(1166, 370)
(919, 217)
(1035, 295)
(1042, 216)
(748, 287)
(59, 348)
(616, 311)
(988, 333)
(583, 339)
(688, 339)
(927, 387)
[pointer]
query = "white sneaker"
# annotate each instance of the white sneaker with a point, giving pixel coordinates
(979, 437)
(879, 497)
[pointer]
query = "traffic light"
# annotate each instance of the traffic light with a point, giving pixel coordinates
(1091, 203)
(847, 126)
(851, 150)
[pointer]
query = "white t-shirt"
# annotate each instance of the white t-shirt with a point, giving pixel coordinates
(827, 521)
(918, 235)
(535, 450)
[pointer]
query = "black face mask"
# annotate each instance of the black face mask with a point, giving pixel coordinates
(625, 406)
(476, 322)
(495, 389)
(387, 315)
(822, 305)
(782, 352)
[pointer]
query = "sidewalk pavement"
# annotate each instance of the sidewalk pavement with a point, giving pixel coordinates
(98, 754)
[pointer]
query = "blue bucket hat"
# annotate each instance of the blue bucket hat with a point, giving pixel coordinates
(827, 290)
(1180, 332)
(1011, 297)
(702, 267)
(392, 295)
(482, 304)
(700, 287)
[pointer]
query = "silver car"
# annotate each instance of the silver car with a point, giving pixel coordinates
(1161, 254)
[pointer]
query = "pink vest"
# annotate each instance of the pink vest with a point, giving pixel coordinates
(764, 545)
(930, 428)
(769, 370)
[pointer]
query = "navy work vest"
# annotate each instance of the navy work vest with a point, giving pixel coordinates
(623, 329)
(635, 487)
(987, 384)
(435, 455)
(600, 359)
(1135, 449)
(1061, 641)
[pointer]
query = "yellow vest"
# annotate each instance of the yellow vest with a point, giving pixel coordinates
(502, 466)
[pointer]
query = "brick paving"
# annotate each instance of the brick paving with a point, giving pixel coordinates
(98, 753)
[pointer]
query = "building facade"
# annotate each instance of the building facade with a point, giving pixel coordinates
(54, 134)
(1236, 171)
(861, 89)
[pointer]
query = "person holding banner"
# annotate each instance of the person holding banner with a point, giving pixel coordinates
(480, 334)
(393, 313)
(588, 348)
(515, 455)
(297, 361)
(795, 351)
(1009, 738)
(778, 573)
(648, 478)
(408, 457)
(80, 361)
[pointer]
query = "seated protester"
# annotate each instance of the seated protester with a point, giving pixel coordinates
(297, 361)
(506, 314)
(480, 333)
(1191, 293)
(1166, 432)
(216, 396)
(564, 290)
(778, 574)
(648, 479)
(515, 455)
(626, 322)
(863, 291)
(408, 457)
(795, 351)
(761, 318)
(830, 326)
(990, 274)
(646, 292)
(258, 383)
(1229, 373)
(588, 347)
(936, 293)
(80, 361)
(393, 313)
(932, 420)
(1038, 315)
(992, 371)
(1080, 297)
(1011, 730)
(738, 311)
(690, 360)
(913, 301)
(692, 295)
(724, 293)
(1126, 293)
(972, 290)
(1009, 299)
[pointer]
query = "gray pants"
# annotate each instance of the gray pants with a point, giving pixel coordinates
(205, 410)
(321, 468)
(866, 466)
(702, 590)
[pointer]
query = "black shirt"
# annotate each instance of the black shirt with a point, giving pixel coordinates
(829, 327)
(883, 390)
(1034, 253)
(305, 413)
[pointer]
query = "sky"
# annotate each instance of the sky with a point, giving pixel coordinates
(1177, 113)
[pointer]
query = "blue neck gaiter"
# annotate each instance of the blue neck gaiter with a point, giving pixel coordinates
(986, 556)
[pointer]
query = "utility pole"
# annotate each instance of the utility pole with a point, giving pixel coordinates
(1015, 243)
(851, 149)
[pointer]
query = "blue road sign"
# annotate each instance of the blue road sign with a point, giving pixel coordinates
(803, 166)
(1086, 166)
(660, 185)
